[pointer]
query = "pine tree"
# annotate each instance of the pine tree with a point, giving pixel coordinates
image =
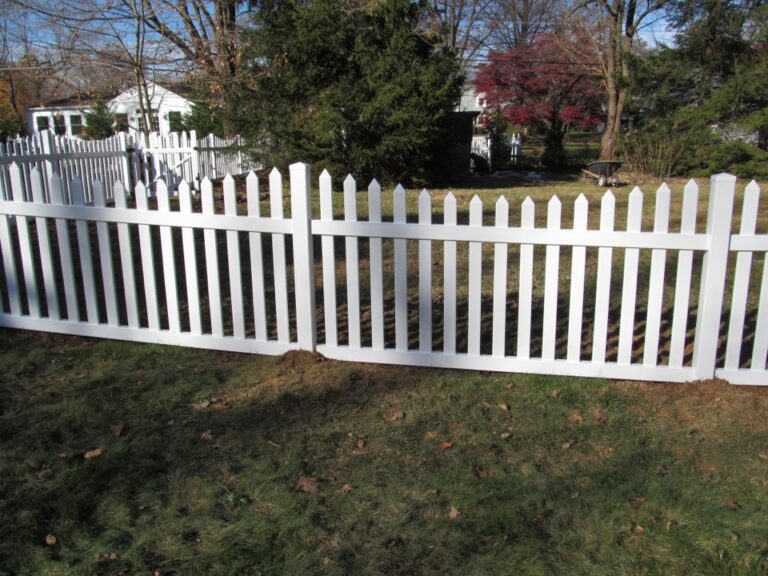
(99, 122)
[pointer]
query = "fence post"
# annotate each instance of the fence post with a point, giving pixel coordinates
(50, 168)
(128, 183)
(303, 255)
(721, 193)
(195, 160)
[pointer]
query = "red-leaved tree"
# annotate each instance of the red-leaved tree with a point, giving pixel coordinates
(546, 84)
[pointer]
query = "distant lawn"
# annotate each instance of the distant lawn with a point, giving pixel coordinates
(136, 459)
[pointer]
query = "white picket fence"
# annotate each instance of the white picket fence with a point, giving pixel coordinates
(70, 268)
(481, 145)
(124, 158)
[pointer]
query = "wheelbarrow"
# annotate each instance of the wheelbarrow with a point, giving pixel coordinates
(603, 172)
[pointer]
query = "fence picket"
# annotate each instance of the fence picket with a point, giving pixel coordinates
(449, 279)
(377, 279)
(578, 264)
(169, 260)
(551, 275)
(401, 274)
(212, 261)
(760, 348)
(9, 262)
(65, 251)
(190, 262)
(46, 255)
(741, 280)
(303, 256)
(86, 256)
(257, 260)
(25, 245)
(525, 289)
(278, 256)
(656, 288)
(233, 253)
(329, 262)
(500, 258)
(474, 312)
(126, 259)
(105, 258)
(353, 275)
(683, 279)
(425, 276)
(629, 285)
(603, 284)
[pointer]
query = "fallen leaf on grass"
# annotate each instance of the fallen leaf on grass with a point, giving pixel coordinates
(393, 415)
(308, 485)
(346, 488)
(505, 435)
(554, 394)
(454, 513)
(763, 456)
(430, 435)
(637, 502)
(95, 453)
(568, 445)
(504, 407)
(446, 445)
(50, 539)
(117, 429)
(733, 505)
(480, 473)
(670, 524)
(575, 417)
(207, 435)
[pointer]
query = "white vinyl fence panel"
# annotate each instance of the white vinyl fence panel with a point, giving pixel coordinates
(380, 301)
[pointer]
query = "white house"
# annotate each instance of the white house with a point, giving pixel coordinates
(67, 117)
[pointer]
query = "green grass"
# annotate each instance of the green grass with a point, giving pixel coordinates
(417, 471)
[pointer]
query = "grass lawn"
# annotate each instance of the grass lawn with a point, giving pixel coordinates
(135, 459)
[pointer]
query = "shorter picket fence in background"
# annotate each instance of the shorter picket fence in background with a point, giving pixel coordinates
(124, 158)
(262, 282)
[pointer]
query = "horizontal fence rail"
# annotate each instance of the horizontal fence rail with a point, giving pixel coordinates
(448, 285)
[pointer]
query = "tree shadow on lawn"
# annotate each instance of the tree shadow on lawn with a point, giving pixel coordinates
(203, 455)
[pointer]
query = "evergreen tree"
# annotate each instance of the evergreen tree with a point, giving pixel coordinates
(352, 86)
(99, 122)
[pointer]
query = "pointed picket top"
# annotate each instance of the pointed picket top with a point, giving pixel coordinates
(119, 194)
(661, 216)
(230, 196)
(206, 193)
(326, 196)
(16, 187)
(141, 196)
(57, 189)
(252, 194)
(399, 203)
(38, 195)
(76, 191)
(350, 198)
(691, 185)
(99, 197)
(476, 211)
(449, 209)
(607, 211)
(425, 207)
(749, 208)
(580, 207)
(374, 201)
(276, 193)
(554, 211)
(502, 212)
(635, 214)
(163, 197)
(528, 210)
(185, 197)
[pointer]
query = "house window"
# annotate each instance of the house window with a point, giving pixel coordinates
(43, 123)
(76, 124)
(121, 122)
(155, 121)
(60, 125)
(174, 122)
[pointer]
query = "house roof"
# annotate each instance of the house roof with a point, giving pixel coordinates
(87, 99)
